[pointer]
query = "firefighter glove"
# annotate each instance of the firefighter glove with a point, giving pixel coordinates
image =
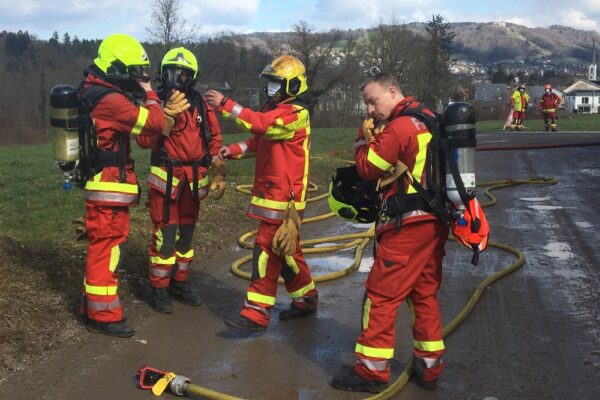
(219, 172)
(176, 104)
(368, 130)
(286, 237)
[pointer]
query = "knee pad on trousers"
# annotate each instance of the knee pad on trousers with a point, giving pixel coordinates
(168, 233)
(186, 235)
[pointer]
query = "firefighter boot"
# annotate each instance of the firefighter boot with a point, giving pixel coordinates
(300, 309)
(350, 381)
(118, 329)
(419, 367)
(183, 292)
(244, 324)
(160, 300)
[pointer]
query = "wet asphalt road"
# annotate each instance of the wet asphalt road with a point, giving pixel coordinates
(534, 334)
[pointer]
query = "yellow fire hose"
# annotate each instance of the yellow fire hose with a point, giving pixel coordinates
(360, 240)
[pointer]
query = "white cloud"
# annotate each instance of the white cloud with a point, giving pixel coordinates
(577, 19)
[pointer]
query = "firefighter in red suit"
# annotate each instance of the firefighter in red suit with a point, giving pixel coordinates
(118, 74)
(549, 103)
(281, 143)
(409, 247)
(178, 180)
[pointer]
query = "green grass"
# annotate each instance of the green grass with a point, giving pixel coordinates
(567, 122)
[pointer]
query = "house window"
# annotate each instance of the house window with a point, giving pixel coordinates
(585, 100)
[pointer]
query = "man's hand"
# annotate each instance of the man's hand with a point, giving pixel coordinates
(224, 153)
(367, 128)
(213, 97)
(144, 85)
(168, 125)
(176, 104)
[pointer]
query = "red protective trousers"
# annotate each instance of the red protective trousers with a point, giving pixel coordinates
(408, 265)
(266, 268)
(107, 229)
(171, 241)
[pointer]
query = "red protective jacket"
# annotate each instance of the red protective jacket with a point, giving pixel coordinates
(404, 138)
(549, 102)
(116, 116)
(281, 143)
(184, 144)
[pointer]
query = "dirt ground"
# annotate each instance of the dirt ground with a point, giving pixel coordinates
(534, 334)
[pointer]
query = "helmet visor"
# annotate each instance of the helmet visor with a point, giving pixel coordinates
(140, 72)
(272, 88)
(178, 77)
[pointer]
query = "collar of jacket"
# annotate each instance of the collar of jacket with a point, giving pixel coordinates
(404, 103)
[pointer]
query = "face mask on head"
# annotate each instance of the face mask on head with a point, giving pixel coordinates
(272, 88)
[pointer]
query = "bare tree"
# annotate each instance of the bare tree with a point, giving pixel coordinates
(167, 26)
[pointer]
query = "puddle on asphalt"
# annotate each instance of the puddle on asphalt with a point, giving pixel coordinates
(534, 199)
(559, 250)
(336, 262)
(590, 171)
(540, 207)
(583, 224)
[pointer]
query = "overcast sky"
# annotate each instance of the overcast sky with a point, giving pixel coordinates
(96, 19)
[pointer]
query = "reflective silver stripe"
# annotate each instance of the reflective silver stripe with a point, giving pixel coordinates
(156, 181)
(183, 266)
(150, 102)
(278, 215)
(459, 127)
(110, 196)
(361, 142)
(202, 193)
(160, 273)
(410, 214)
(375, 365)
(103, 306)
(236, 110)
(243, 147)
(257, 308)
(432, 362)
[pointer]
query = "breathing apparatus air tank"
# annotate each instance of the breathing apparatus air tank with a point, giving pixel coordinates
(64, 130)
(459, 131)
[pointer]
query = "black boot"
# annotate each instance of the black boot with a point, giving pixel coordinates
(244, 324)
(118, 329)
(350, 381)
(307, 307)
(419, 367)
(160, 300)
(183, 292)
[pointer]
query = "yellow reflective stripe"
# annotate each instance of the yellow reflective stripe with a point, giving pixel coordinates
(429, 346)
(275, 204)
(141, 121)
(377, 161)
(417, 172)
(100, 290)
(261, 298)
(162, 261)
(281, 131)
(188, 254)
(111, 187)
(162, 174)
(306, 163)
(366, 312)
(289, 260)
(374, 352)
(301, 292)
(237, 120)
(159, 239)
(262, 264)
(201, 183)
(115, 255)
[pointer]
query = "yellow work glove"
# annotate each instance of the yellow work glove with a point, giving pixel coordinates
(219, 172)
(168, 125)
(284, 241)
(367, 128)
(176, 104)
